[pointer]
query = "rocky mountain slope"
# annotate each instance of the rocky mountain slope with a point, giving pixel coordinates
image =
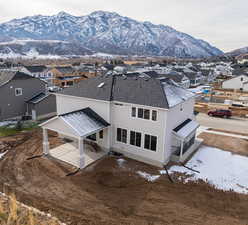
(238, 52)
(99, 31)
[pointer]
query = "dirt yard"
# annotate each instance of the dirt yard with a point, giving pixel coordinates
(107, 194)
(233, 144)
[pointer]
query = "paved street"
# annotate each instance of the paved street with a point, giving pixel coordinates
(233, 124)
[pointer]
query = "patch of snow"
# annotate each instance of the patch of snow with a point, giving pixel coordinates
(199, 90)
(121, 162)
(222, 169)
(2, 154)
(7, 123)
(102, 55)
(147, 176)
(176, 95)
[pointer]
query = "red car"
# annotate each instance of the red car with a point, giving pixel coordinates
(220, 113)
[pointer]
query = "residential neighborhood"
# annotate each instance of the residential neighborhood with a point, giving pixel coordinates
(109, 119)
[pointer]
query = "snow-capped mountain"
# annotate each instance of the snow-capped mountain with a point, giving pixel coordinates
(41, 48)
(238, 52)
(105, 32)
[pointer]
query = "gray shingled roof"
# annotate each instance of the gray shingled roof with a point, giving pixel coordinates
(65, 69)
(141, 91)
(136, 90)
(36, 69)
(88, 88)
(8, 75)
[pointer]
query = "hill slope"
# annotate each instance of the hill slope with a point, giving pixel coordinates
(108, 33)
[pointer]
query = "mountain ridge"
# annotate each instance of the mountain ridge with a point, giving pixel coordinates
(107, 32)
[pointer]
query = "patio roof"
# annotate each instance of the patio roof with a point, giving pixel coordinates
(184, 129)
(81, 123)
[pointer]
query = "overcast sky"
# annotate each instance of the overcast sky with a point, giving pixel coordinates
(223, 23)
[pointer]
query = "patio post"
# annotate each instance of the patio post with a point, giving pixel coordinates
(81, 153)
(45, 142)
(181, 150)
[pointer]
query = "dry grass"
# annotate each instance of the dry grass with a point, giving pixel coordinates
(13, 213)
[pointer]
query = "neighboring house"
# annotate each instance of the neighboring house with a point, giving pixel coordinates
(41, 106)
(65, 76)
(40, 72)
(15, 89)
(146, 119)
(86, 73)
(236, 83)
(195, 78)
(182, 80)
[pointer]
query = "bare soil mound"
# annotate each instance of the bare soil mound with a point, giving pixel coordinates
(109, 194)
(232, 144)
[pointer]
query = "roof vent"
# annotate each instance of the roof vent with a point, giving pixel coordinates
(101, 85)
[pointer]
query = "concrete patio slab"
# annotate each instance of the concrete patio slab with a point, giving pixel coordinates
(70, 154)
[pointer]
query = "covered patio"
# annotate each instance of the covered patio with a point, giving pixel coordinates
(184, 141)
(75, 127)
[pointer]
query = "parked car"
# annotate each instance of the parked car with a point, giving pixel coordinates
(220, 112)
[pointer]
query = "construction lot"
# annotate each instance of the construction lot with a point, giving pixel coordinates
(110, 192)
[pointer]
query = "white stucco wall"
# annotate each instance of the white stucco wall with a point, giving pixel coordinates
(175, 117)
(235, 83)
(66, 104)
(121, 118)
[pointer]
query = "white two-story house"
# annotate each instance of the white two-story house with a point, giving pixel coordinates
(146, 119)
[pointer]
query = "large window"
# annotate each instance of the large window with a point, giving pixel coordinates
(150, 142)
(135, 138)
(122, 135)
(18, 91)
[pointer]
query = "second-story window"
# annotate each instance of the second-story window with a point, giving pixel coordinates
(133, 111)
(154, 115)
(144, 113)
(140, 113)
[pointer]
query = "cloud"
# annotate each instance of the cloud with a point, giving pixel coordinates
(223, 23)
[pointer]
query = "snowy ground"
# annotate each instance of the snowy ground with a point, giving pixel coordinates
(2, 154)
(222, 169)
(7, 123)
(199, 89)
(219, 168)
